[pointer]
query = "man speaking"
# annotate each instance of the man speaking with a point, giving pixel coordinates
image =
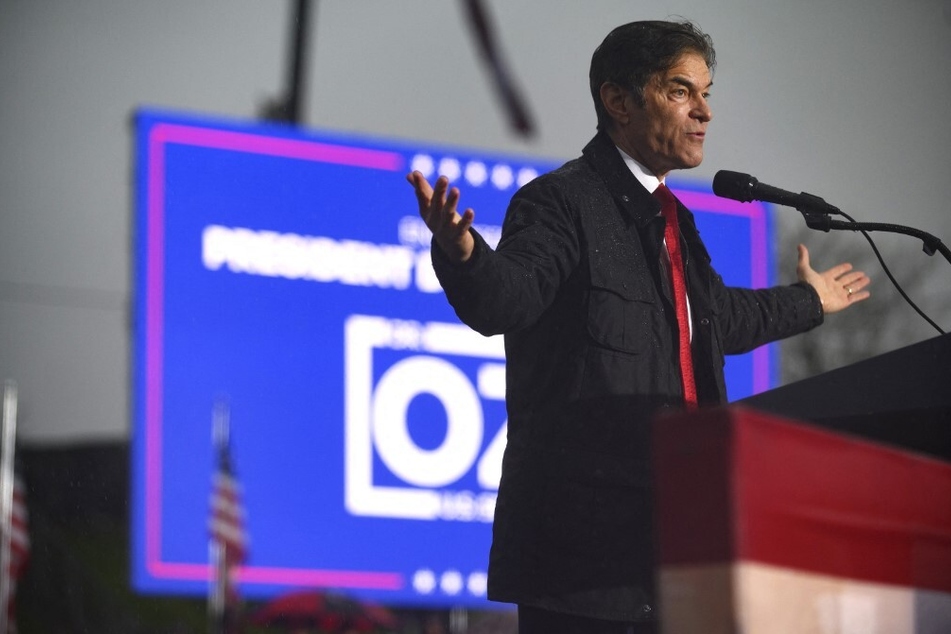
(611, 311)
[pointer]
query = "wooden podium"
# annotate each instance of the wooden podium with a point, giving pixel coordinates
(769, 525)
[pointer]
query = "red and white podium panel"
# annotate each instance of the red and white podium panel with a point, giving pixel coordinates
(766, 526)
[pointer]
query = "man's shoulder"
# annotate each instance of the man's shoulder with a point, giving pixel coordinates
(598, 164)
(574, 175)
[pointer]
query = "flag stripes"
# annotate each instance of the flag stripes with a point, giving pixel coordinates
(19, 533)
(227, 533)
(19, 547)
(227, 522)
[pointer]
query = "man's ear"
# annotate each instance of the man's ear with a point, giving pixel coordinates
(614, 99)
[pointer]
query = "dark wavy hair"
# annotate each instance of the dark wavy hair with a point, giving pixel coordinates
(633, 53)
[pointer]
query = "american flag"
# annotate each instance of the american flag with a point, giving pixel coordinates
(228, 540)
(19, 546)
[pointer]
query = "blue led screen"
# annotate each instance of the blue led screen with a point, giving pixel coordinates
(287, 273)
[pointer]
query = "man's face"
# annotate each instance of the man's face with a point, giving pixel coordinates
(667, 133)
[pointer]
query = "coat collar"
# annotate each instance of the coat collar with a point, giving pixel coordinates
(637, 204)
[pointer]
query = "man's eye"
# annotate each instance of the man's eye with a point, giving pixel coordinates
(679, 92)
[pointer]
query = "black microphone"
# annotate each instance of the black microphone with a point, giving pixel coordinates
(746, 188)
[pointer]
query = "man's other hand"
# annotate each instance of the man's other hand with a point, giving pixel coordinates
(838, 287)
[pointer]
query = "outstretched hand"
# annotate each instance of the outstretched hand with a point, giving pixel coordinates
(438, 210)
(838, 287)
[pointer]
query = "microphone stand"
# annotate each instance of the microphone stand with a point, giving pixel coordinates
(822, 222)
(817, 213)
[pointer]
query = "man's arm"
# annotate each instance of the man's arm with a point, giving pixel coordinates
(751, 318)
(507, 289)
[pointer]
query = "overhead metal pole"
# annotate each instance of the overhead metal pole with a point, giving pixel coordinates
(288, 107)
(295, 91)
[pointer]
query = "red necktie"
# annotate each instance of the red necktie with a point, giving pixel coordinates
(672, 238)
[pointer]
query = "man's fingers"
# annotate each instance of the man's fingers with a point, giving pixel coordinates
(854, 285)
(839, 270)
(439, 191)
(838, 287)
(424, 192)
(468, 216)
(835, 273)
(438, 206)
(803, 262)
(419, 183)
(435, 214)
(856, 280)
(452, 201)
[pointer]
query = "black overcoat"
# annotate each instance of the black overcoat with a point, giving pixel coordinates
(577, 286)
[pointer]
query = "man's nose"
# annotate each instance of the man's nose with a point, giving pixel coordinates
(701, 111)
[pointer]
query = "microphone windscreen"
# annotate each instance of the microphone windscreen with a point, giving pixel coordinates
(734, 185)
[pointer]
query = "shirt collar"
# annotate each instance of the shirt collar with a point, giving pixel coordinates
(641, 173)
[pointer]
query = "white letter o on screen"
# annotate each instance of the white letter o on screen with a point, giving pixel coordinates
(454, 457)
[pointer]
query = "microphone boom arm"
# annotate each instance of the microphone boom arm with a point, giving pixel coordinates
(822, 222)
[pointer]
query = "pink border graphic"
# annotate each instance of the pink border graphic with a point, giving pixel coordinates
(159, 136)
